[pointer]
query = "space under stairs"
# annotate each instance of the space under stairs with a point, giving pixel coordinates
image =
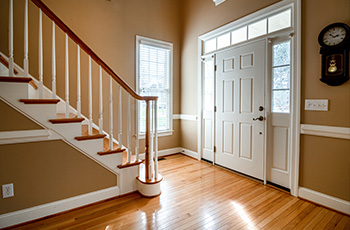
(40, 103)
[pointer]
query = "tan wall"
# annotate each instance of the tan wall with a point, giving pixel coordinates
(43, 172)
(12, 120)
(324, 164)
(199, 17)
(110, 29)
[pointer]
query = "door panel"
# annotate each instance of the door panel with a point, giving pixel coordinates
(239, 93)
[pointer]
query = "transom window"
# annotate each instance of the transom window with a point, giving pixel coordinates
(154, 78)
(255, 29)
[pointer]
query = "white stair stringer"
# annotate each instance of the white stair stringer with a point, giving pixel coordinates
(42, 113)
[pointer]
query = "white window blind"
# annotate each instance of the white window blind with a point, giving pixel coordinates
(154, 79)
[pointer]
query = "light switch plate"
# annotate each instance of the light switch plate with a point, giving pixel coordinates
(316, 105)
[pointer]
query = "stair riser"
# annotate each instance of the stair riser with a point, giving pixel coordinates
(111, 161)
(68, 130)
(13, 91)
(128, 181)
(41, 112)
(89, 146)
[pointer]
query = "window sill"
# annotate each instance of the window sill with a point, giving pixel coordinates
(160, 134)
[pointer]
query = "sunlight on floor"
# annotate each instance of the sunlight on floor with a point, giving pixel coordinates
(243, 215)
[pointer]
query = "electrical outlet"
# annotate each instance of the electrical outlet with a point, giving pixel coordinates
(7, 190)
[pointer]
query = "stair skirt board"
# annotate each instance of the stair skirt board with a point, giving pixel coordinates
(33, 213)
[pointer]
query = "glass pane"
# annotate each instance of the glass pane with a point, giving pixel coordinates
(281, 77)
(280, 21)
(210, 45)
(281, 54)
(280, 101)
(239, 35)
(257, 29)
(224, 40)
(209, 85)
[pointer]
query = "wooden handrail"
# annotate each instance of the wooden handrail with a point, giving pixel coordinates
(89, 51)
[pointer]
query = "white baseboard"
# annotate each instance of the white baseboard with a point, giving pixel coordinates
(164, 152)
(40, 211)
(326, 200)
(190, 153)
(172, 151)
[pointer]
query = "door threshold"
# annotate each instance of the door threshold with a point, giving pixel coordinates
(277, 186)
(241, 174)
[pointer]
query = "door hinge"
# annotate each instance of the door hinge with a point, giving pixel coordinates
(215, 109)
(215, 67)
(214, 149)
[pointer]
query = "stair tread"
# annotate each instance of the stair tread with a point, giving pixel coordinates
(15, 79)
(118, 150)
(66, 120)
(39, 101)
(90, 137)
(125, 165)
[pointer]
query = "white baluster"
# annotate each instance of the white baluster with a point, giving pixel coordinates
(26, 58)
(11, 59)
(90, 98)
(120, 119)
(137, 144)
(41, 91)
(129, 130)
(67, 79)
(53, 61)
(110, 114)
(100, 122)
(78, 83)
(155, 140)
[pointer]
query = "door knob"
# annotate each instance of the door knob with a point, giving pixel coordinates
(260, 118)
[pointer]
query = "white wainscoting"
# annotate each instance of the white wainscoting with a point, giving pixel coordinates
(326, 200)
(40, 211)
(325, 131)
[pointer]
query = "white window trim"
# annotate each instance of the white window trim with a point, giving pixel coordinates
(160, 44)
(295, 32)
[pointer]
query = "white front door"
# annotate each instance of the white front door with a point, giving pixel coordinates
(208, 108)
(239, 95)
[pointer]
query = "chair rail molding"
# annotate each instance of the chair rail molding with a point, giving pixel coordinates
(325, 131)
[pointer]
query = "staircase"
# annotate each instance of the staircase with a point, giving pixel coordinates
(37, 101)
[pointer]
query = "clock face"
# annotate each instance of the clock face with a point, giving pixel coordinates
(334, 36)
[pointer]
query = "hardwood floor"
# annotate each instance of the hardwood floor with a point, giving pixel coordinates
(197, 195)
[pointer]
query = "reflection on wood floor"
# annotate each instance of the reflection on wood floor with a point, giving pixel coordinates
(197, 195)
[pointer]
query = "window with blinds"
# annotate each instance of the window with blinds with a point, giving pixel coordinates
(154, 79)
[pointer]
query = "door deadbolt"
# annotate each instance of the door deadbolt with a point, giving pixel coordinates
(260, 118)
(261, 108)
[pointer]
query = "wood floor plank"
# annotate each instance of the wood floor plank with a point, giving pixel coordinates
(198, 195)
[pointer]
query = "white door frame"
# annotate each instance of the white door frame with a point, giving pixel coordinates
(295, 33)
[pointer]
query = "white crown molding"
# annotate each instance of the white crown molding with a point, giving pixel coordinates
(36, 212)
(325, 131)
(326, 200)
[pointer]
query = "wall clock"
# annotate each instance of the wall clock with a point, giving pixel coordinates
(334, 40)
